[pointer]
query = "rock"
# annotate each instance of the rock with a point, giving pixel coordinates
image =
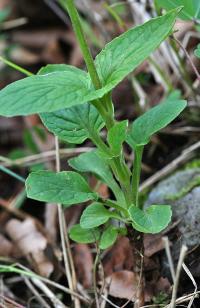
(182, 193)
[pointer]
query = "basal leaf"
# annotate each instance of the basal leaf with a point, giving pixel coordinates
(64, 187)
(84, 236)
(92, 162)
(95, 215)
(153, 120)
(108, 237)
(116, 137)
(152, 220)
(74, 124)
(49, 92)
(191, 8)
(122, 55)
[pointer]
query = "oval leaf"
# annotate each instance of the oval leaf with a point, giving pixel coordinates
(80, 235)
(95, 215)
(92, 162)
(75, 124)
(126, 52)
(64, 187)
(152, 220)
(108, 237)
(153, 120)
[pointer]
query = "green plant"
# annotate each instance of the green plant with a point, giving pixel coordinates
(86, 98)
(76, 105)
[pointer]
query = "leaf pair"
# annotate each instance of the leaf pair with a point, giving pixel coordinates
(87, 236)
(70, 86)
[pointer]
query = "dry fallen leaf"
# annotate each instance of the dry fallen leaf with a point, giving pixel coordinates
(31, 244)
(122, 284)
(84, 264)
(152, 244)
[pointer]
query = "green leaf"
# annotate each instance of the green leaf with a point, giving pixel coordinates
(191, 8)
(108, 237)
(152, 220)
(153, 120)
(116, 137)
(126, 52)
(95, 215)
(74, 124)
(64, 187)
(49, 92)
(197, 51)
(84, 236)
(92, 162)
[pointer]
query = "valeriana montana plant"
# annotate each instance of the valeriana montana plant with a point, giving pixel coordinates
(75, 105)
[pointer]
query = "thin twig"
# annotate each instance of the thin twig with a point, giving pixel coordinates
(186, 155)
(36, 293)
(96, 261)
(188, 57)
(169, 256)
(178, 271)
(186, 269)
(61, 226)
(42, 157)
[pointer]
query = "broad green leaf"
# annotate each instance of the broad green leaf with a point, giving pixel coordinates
(108, 237)
(92, 162)
(64, 187)
(153, 120)
(74, 124)
(191, 8)
(122, 55)
(116, 137)
(95, 215)
(84, 236)
(152, 220)
(49, 92)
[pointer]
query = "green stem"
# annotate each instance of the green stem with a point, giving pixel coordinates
(13, 174)
(76, 23)
(16, 67)
(136, 173)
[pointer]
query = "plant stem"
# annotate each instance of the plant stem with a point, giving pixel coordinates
(136, 173)
(76, 23)
(16, 67)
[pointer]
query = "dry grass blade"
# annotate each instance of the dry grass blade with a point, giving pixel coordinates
(177, 277)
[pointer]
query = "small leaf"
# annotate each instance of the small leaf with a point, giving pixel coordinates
(92, 162)
(64, 187)
(116, 137)
(84, 236)
(108, 237)
(153, 120)
(126, 52)
(95, 215)
(152, 220)
(74, 124)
